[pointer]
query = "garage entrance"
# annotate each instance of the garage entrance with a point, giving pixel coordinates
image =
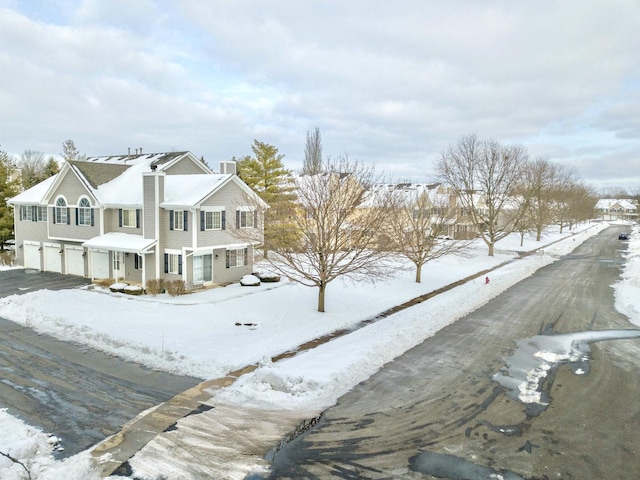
(74, 260)
(52, 257)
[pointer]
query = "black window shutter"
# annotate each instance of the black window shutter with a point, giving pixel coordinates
(170, 219)
(166, 263)
(120, 217)
(21, 209)
(227, 252)
(68, 216)
(201, 221)
(53, 210)
(185, 214)
(255, 219)
(137, 218)
(237, 218)
(246, 256)
(34, 213)
(92, 219)
(180, 264)
(76, 216)
(135, 261)
(224, 220)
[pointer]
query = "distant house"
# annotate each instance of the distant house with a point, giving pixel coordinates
(612, 209)
(139, 217)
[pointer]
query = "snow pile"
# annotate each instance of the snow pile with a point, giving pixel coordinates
(34, 450)
(627, 291)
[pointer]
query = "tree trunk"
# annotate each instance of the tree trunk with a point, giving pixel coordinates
(418, 273)
(491, 245)
(321, 290)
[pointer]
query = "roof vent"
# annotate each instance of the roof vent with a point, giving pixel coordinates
(154, 168)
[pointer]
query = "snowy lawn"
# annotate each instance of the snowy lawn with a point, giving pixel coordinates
(197, 334)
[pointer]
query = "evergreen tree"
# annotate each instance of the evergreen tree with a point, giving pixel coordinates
(265, 173)
(8, 189)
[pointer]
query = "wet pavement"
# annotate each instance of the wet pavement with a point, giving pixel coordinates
(438, 412)
(79, 394)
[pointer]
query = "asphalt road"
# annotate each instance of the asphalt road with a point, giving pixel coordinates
(79, 394)
(436, 412)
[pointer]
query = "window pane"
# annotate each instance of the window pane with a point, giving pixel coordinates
(178, 220)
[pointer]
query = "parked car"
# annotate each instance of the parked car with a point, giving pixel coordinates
(623, 236)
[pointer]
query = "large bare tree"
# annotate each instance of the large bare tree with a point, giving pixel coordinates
(486, 177)
(420, 227)
(337, 222)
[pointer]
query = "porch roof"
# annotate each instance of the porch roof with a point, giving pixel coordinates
(121, 242)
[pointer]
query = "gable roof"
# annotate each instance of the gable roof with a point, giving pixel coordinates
(116, 181)
(608, 203)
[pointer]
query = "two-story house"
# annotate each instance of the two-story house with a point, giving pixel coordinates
(615, 209)
(140, 217)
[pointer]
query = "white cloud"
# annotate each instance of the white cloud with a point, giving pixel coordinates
(391, 83)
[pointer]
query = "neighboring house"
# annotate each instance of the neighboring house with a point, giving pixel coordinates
(612, 209)
(139, 217)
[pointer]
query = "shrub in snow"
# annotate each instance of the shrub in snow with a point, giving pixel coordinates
(133, 290)
(175, 287)
(155, 286)
(267, 277)
(7, 259)
(249, 281)
(118, 287)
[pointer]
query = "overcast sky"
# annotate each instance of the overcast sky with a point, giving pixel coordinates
(391, 83)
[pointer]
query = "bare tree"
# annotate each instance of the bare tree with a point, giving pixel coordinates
(34, 168)
(542, 181)
(421, 225)
(486, 177)
(70, 152)
(337, 222)
(313, 153)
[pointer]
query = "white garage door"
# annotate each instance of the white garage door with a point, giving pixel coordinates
(52, 258)
(32, 255)
(74, 261)
(99, 264)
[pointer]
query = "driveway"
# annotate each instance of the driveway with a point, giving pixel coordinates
(437, 411)
(77, 393)
(23, 280)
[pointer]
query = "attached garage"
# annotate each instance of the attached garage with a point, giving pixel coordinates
(52, 257)
(99, 264)
(32, 255)
(74, 260)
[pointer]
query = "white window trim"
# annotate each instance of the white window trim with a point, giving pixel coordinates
(87, 222)
(132, 212)
(178, 225)
(57, 217)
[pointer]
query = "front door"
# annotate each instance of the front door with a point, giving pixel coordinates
(118, 265)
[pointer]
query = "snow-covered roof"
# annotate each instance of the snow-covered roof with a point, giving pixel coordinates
(35, 194)
(117, 181)
(189, 190)
(608, 203)
(120, 242)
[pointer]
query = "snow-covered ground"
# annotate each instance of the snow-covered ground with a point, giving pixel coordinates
(211, 333)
